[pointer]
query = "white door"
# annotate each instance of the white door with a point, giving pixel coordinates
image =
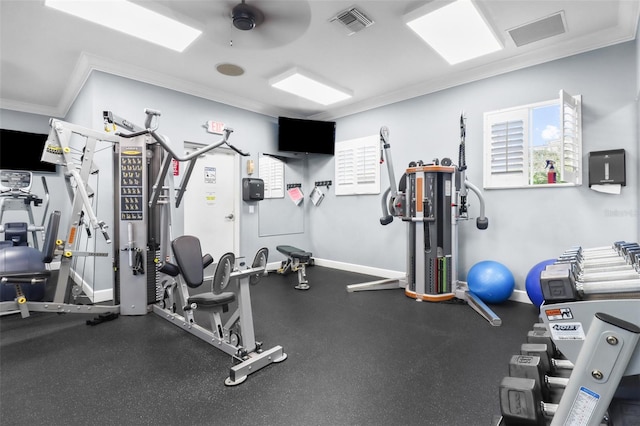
(211, 202)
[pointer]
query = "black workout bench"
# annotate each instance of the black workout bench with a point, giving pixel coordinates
(297, 260)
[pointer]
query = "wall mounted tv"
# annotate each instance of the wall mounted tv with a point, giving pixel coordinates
(308, 136)
(22, 151)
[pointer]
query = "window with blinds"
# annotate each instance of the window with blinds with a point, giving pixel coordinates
(521, 144)
(271, 171)
(357, 166)
(570, 109)
(507, 147)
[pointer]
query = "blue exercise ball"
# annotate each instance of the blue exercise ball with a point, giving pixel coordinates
(491, 281)
(532, 283)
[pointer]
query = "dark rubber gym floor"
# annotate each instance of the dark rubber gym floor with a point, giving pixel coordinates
(366, 358)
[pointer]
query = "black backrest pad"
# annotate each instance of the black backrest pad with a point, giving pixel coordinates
(50, 237)
(261, 258)
(188, 254)
(223, 272)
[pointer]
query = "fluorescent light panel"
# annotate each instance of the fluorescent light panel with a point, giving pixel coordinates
(309, 88)
(131, 19)
(456, 31)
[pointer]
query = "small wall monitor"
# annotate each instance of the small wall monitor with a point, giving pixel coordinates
(307, 136)
(22, 151)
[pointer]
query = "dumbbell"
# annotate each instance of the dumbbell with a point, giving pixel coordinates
(521, 403)
(542, 335)
(531, 367)
(549, 364)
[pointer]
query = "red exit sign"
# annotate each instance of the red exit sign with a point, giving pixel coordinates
(215, 127)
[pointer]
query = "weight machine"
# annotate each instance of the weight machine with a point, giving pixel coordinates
(431, 199)
(170, 275)
(59, 150)
(146, 276)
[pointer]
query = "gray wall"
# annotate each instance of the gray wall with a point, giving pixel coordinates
(526, 226)
(637, 43)
(182, 119)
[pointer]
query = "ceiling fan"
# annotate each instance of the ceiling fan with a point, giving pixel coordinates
(246, 17)
(261, 24)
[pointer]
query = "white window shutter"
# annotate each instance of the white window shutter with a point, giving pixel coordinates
(571, 131)
(506, 148)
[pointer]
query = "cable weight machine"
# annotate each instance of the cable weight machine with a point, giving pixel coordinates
(146, 277)
(431, 199)
(143, 213)
(164, 287)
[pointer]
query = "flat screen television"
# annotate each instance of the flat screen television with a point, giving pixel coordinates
(22, 151)
(308, 136)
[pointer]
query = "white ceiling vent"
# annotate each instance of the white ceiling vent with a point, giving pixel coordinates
(352, 20)
(538, 30)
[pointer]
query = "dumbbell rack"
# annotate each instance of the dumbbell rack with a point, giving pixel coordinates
(592, 320)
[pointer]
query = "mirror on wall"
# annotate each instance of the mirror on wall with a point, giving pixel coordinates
(278, 214)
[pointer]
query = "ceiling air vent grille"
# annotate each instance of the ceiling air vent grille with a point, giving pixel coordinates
(352, 20)
(539, 30)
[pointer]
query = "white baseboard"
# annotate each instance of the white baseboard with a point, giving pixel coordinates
(517, 295)
(520, 296)
(102, 295)
(95, 296)
(273, 266)
(360, 269)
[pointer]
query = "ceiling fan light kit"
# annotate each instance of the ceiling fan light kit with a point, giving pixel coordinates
(246, 17)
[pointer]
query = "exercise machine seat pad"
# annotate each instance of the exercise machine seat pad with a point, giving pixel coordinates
(295, 253)
(209, 300)
(22, 261)
(188, 254)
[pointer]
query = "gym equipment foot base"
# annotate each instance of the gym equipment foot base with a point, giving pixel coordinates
(255, 362)
(110, 316)
(480, 307)
(386, 284)
(302, 286)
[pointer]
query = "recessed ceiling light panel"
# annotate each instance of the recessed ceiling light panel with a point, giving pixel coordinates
(131, 19)
(457, 30)
(303, 84)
